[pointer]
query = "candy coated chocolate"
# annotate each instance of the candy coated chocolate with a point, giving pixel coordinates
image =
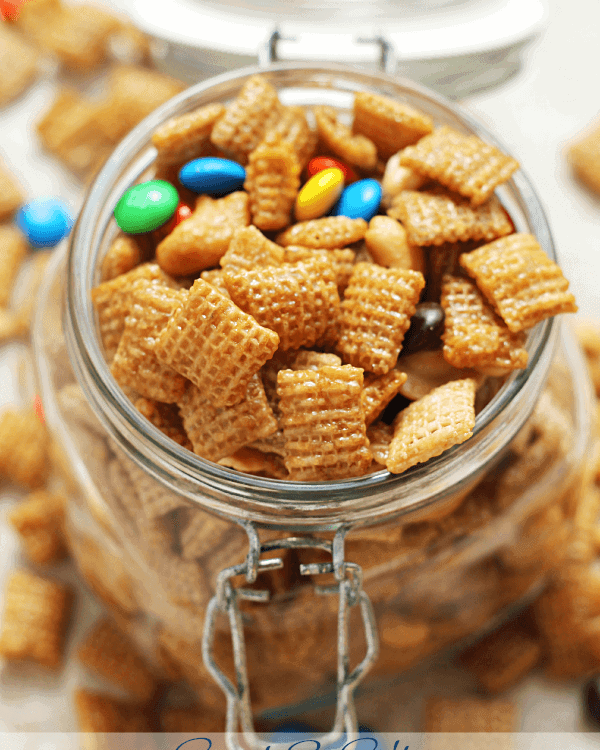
(212, 176)
(146, 206)
(319, 194)
(360, 200)
(319, 163)
(44, 221)
(426, 328)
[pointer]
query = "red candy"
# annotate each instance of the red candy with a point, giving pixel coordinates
(183, 212)
(38, 408)
(319, 163)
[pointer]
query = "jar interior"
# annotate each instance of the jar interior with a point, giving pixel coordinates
(367, 499)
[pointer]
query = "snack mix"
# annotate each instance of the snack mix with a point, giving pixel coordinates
(217, 315)
(303, 335)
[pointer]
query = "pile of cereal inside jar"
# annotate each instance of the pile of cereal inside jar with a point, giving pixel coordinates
(302, 299)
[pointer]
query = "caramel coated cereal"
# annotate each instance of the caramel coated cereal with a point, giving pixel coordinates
(338, 138)
(254, 112)
(585, 160)
(164, 417)
(388, 244)
(342, 261)
(272, 182)
(379, 391)
(248, 249)
(375, 314)
(24, 445)
(216, 432)
(519, 280)
(107, 652)
(436, 217)
(391, 125)
(200, 241)
(429, 426)
(297, 301)
(78, 36)
(135, 365)
(112, 302)
(35, 617)
(323, 423)
(13, 251)
(123, 255)
(464, 164)
(102, 713)
(211, 342)
(134, 92)
(186, 137)
(327, 233)
(473, 335)
(294, 129)
(18, 64)
(39, 520)
(73, 130)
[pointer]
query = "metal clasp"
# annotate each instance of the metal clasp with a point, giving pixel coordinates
(348, 587)
(388, 62)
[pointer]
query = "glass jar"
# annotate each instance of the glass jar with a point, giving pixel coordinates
(424, 559)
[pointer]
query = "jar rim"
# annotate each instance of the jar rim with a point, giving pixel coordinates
(246, 497)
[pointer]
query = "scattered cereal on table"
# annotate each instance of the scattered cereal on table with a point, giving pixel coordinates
(24, 444)
(39, 520)
(35, 618)
(584, 157)
(13, 251)
(18, 64)
(11, 193)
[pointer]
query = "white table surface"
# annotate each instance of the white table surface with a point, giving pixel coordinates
(553, 97)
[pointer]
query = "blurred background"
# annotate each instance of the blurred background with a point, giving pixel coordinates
(526, 68)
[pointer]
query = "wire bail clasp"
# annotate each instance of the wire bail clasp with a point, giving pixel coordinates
(348, 587)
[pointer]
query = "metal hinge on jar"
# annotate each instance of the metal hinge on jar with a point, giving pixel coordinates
(348, 587)
(303, 46)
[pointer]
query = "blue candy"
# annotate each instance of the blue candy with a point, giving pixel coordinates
(212, 176)
(44, 221)
(360, 200)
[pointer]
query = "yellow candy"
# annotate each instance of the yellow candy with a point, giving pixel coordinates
(319, 194)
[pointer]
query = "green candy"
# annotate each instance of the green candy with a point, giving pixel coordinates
(146, 206)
